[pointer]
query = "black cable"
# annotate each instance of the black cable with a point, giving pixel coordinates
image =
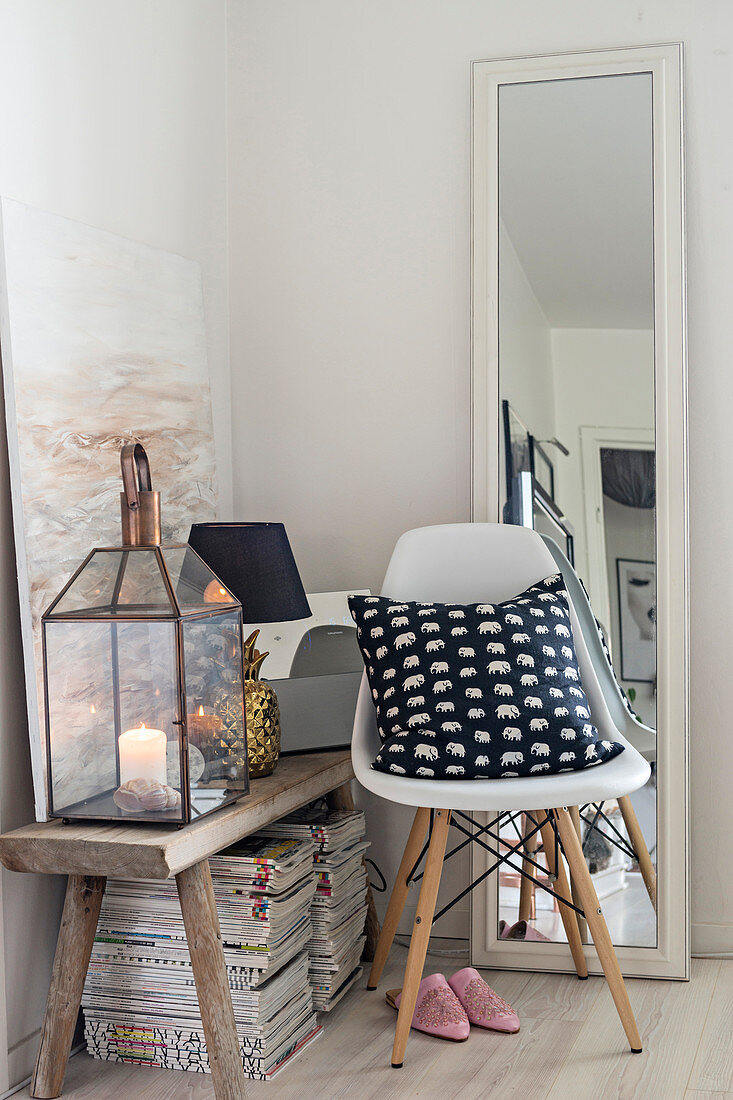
(379, 889)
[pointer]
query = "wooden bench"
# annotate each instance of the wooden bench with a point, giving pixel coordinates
(91, 853)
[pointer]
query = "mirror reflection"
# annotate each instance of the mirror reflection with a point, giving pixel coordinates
(576, 370)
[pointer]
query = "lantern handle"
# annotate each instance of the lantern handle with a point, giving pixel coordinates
(135, 471)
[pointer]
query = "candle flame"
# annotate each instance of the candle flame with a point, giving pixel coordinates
(92, 709)
(201, 712)
(143, 733)
(216, 593)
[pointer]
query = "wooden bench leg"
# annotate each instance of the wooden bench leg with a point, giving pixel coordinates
(73, 950)
(342, 798)
(201, 921)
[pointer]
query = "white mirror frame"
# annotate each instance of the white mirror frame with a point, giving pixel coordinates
(671, 957)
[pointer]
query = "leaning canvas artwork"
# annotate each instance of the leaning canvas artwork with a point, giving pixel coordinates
(102, 341)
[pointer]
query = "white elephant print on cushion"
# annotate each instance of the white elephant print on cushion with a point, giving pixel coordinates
(478, 691)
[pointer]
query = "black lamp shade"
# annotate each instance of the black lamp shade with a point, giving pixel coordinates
(255, 562)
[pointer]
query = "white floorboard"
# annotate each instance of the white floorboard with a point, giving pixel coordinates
(570, 1047)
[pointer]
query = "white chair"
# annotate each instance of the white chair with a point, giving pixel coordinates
(471, 563)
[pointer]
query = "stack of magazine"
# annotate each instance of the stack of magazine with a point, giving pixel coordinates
(140, 1002)
(339, 907)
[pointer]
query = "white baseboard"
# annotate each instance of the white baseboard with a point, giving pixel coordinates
(27, 1080)
(712, 939)
(21, 1058)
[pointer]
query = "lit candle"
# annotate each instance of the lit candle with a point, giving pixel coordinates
(202, 727)
(143, 755)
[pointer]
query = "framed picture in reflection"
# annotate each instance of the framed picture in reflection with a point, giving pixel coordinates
(517, 447)
(542, 468)
(637, 614)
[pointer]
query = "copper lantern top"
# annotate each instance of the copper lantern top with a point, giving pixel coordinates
(139, 504)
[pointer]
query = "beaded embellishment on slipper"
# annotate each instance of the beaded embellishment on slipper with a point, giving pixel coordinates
(481, 1001)
(484, 1007)
(439, 1008)
(438, 1011)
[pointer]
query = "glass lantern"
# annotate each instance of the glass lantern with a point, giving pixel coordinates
(143, 688)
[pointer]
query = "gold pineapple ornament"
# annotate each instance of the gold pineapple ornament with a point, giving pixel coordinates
(262, 713)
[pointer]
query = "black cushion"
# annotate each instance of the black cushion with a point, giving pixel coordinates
(478, 691)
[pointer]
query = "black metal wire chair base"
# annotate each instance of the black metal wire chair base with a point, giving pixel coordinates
(618, 840)
(475, 835)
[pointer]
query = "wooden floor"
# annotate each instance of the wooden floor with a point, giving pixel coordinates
(571, 1047)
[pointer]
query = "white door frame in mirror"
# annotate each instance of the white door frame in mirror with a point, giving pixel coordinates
(591, 442)
(670, 958)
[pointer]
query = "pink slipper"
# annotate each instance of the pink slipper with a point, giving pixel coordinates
(483, 1006)
(437, 1009)
(520, 931)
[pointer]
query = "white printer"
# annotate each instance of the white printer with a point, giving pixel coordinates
(315, 668)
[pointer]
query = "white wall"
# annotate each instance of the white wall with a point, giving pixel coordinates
(112, 113)
(349, 219)
(527, 379)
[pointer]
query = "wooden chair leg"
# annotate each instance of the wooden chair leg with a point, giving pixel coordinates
(73, 950)
(640, 847)
(421, 933)
(597, 926)
(526, 886)
(582, 922)
(562, 888)
(342, 798)
(201, 921)
(398, 896)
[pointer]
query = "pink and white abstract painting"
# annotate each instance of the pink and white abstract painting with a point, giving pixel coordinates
(102, 342)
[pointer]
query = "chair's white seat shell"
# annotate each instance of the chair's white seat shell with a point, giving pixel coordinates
(475, 563)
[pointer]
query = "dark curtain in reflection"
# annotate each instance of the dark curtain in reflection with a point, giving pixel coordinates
(628, 477)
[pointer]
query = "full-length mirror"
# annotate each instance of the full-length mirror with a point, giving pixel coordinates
(575, 378)
(576, 384)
